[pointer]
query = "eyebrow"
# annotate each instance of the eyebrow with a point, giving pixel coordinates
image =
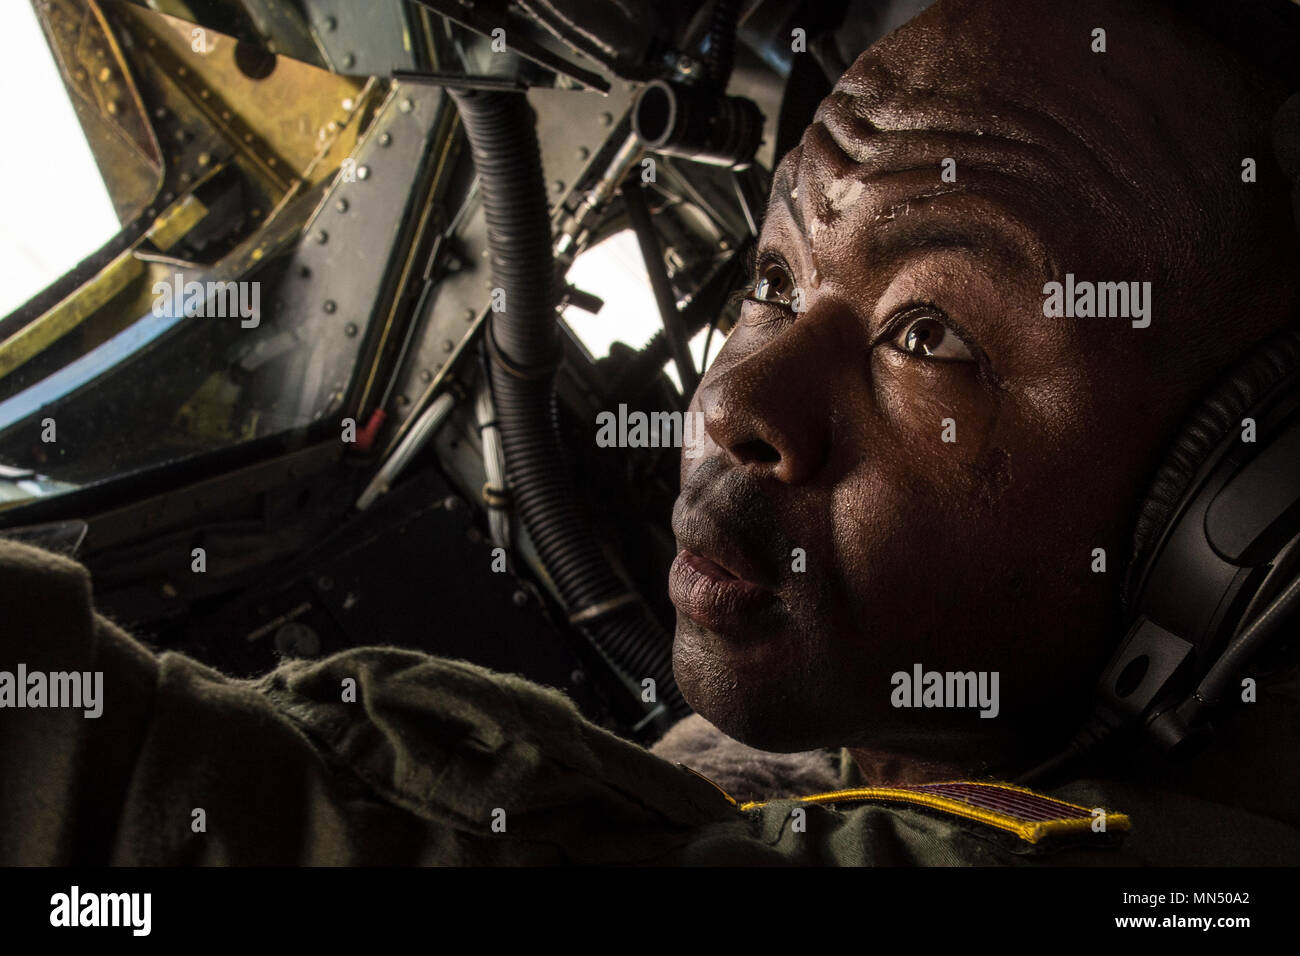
(1012, 242)
(1009, 239)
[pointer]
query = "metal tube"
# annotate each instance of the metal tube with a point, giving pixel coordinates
(423, 429)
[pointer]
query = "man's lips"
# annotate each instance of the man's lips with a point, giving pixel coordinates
(711, 568)
(712, 596)
(724, 550)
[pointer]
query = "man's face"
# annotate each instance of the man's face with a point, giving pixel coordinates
(906, 462)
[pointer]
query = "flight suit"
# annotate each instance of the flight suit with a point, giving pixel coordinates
(388, 756)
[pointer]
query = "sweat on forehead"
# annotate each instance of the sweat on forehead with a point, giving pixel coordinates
(1129, 158)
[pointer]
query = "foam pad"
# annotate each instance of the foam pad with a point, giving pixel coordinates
(1217, 415)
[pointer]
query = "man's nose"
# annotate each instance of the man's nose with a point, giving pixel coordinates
(767, 410)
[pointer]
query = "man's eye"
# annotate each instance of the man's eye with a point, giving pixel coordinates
(927, 337)
(773, 284)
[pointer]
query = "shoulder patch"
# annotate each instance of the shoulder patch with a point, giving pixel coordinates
(1033, 817)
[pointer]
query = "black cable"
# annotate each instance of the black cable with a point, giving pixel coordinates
(1224, 673)
(722, 42)
(1233, 661)
(524, 346)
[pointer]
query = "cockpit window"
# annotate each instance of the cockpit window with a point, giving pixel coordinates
(60, 207)
(154, 315)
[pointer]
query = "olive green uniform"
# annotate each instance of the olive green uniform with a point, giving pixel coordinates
(379, 755)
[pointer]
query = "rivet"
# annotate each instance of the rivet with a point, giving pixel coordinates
(448, 345)
(341, 205)
(330, 305)
(348, 60)
(606, 119)
(322, 236)
(331, 23)
(406, 105)
(350, 330)
(385, 139)
(583, 152)
(363, 172)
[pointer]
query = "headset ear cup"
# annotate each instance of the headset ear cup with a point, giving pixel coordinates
(1215, 416)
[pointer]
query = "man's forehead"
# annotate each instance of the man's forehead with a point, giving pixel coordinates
(934, 93)
(861, 133)
(847, 215)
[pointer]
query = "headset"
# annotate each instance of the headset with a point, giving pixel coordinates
(1215, 569)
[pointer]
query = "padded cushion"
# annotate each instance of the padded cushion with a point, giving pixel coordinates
(1217, 414)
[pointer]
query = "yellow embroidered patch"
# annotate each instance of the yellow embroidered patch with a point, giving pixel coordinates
(1030, 816)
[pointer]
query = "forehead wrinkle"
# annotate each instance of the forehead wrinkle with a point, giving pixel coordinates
(999, 220)
(784, 181)
(897, 235)
(867, 118)
(879, 152)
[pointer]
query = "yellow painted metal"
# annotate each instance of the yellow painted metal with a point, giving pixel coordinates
(169, 228)
(278, 124)
(68, 314)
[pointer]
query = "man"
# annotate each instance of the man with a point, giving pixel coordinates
(909, 468)
(968, 545)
